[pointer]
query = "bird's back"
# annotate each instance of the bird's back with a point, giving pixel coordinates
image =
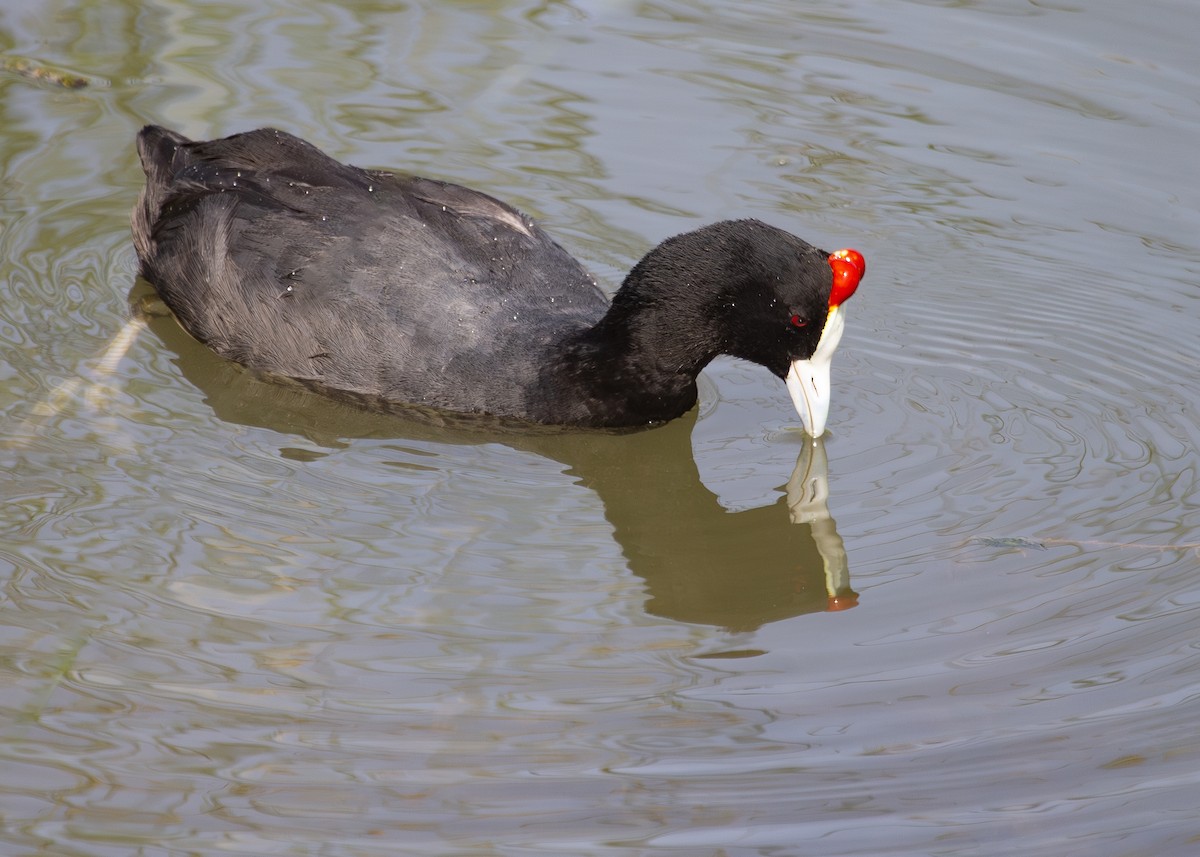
(388, 286)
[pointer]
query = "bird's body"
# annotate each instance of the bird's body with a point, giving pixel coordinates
(404, 289)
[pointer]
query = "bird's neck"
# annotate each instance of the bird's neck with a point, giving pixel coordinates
(635, 367)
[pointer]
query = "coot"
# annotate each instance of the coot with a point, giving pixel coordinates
(402, 289)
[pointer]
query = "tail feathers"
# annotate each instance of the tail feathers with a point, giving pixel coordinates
(162, 155)
(158, 148)
(176, 166)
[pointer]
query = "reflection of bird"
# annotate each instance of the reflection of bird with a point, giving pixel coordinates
(700, 563)
(703, 564)
(403, 289)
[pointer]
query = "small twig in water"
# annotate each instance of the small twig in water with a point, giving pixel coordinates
(1044, 544)
(43, 73)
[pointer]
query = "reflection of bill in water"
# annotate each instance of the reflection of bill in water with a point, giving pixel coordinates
(808, 503)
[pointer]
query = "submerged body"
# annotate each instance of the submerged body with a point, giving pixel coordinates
(410, 290)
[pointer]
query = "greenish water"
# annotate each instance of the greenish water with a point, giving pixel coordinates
(239, 619)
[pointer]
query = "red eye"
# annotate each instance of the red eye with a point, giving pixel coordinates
(797, 321)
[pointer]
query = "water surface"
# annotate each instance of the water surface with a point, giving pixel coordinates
(240, 619)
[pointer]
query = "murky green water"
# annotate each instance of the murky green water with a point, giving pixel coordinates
(238, 619)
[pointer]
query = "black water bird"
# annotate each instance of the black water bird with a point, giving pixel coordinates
(399, 289)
